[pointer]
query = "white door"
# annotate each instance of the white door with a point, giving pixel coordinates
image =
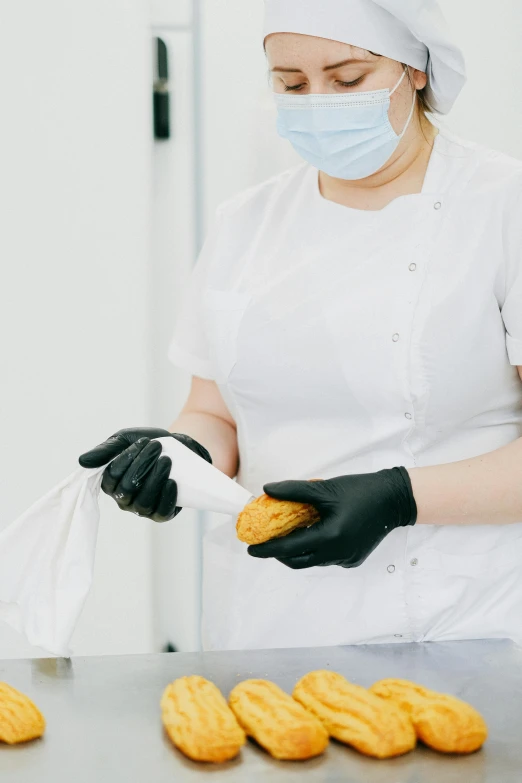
(169, 14)
(75, 158)
(223, 139)
(176, 236)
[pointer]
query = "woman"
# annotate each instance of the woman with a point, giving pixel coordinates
(358, 319)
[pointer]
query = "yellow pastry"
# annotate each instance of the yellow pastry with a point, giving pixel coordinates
(355, 716)
(20, 719)
(277, 722)
(443, 722)
(199, 721)
(266, 518)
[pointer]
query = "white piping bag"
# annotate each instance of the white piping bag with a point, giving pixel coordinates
(47, 554)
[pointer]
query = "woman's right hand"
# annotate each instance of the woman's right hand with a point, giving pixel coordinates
(138, 476)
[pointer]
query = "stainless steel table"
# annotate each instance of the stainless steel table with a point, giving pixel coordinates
(103, 715)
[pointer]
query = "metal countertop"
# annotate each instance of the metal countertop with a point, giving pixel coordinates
(103, 720)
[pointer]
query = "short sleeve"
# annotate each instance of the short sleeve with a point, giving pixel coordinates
(189, 348)
(512, 307)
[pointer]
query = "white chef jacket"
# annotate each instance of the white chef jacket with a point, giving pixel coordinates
(346, 341)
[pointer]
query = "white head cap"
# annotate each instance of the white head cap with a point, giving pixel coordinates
(409, 31)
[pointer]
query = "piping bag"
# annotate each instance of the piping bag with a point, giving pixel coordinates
(47, 554)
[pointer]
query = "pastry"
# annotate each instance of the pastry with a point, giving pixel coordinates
(277, 722)
(265, 518)
(443, 722)
(20, 719)
(355, 716)
(199, 721)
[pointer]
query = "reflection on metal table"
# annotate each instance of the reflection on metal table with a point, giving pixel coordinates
(103, 718)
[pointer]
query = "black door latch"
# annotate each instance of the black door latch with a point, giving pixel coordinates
(161, 106)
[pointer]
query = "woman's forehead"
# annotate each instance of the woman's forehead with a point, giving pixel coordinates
(291, 45)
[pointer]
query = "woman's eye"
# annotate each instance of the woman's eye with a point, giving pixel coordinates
(352, 84)
(297, 87)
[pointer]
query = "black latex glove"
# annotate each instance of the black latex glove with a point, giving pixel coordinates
(357, 512)
(138, 476)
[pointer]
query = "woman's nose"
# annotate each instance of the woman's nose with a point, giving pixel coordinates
(320, 87)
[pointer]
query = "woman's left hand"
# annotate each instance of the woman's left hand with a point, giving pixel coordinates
(357, 513)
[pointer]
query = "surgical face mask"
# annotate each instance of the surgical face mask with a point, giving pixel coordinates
(346, 136)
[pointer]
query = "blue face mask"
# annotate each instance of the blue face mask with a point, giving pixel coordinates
(346, 136)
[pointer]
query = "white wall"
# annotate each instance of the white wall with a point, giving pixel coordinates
(75, 147)
(489, 109)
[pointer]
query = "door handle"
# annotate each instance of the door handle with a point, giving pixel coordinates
(161, 92)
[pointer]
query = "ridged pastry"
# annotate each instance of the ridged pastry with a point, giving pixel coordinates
(355, 716)
(443, 722)
(199, 721)
(20, 719)
(277, 722)
(266, 518)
